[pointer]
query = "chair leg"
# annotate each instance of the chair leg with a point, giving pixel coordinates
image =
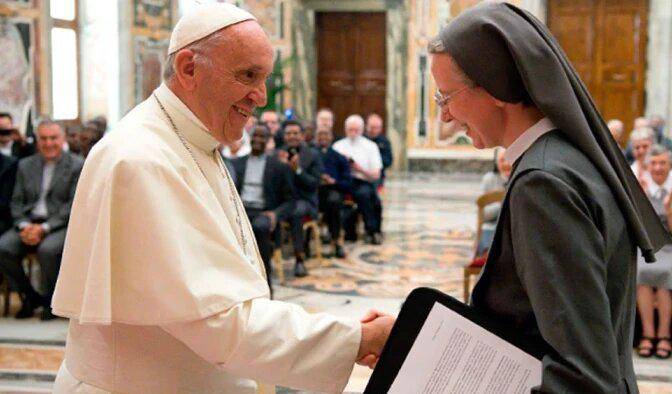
(467, 285)
(277, 262)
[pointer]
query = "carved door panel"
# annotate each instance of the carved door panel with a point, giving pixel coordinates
(351, 67)
(606, 42)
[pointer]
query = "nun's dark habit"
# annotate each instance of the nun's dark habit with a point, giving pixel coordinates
(562, 266)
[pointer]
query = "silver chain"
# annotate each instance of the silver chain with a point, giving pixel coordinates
(220, 164)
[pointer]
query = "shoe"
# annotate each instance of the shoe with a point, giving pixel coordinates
(300, 270)
(338, 251)
(368, 239)
(46, 314)
(644, 351)
(377, 238)
(663, 353)
(27, 308)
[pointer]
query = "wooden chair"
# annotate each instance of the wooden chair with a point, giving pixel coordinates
(308, 224)
(476, 265)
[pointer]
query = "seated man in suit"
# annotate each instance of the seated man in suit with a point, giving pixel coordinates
(265, 187)
(307, 169)
(41, 202)
(336, 180)
(366, 165)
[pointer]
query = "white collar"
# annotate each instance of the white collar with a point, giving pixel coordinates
(654, 188)
(186, 121)
(525, 140)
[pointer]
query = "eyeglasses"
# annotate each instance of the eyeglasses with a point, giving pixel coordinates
(442, 100)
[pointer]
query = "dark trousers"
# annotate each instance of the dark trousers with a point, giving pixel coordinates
(261, 226)
(302, 209)
(368, 204)
(49, 252)
(331, 200)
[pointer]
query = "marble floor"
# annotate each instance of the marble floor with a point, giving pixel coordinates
(429, 223)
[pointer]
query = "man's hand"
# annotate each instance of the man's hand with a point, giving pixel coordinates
(32, 234)
(327, 180)
(272, 217)
(356, 167)
(283, 156)
(376, 327)
(294, 162)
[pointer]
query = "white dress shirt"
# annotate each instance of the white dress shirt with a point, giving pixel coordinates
(525, 140)
(363, 151)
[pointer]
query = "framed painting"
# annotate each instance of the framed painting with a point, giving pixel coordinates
(150, 57)
(153, 14)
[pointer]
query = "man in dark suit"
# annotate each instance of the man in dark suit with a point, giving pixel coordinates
(8, 166)
(12, 143)
(307, 170)
(561, 269)
(41, 202)
(374, 132)
(265, 187)
(336, 180)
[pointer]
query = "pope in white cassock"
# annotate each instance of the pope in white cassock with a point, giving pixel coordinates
(161, 277)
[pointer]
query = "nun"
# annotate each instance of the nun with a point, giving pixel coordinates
(562, 267)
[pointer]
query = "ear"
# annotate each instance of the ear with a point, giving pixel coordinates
(185, 69)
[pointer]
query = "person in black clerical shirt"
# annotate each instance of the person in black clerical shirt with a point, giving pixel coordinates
(336, 180)
(374, 132)
(265, 187)
(307, 169)
(12, 143)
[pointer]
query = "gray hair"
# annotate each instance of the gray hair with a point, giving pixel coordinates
(436, 46)
(642, 133)
(657, 150)
(47, 122)
(615, 124)
(355, 119)
(202, 48)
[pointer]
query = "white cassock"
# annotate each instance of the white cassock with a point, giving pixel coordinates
(161, 293)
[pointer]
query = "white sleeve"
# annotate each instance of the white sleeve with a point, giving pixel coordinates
(375, 160)
(276, 343)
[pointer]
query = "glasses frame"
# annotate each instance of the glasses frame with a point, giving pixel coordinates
(442, 100)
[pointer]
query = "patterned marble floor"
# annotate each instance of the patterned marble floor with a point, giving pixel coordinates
(429, 223)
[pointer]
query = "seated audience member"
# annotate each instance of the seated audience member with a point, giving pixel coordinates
(616, 128)
(641, 140)
(91, 133)
(496, 179)
(336, 180)
(240, 148)
(307, 169)
(324, 120)
(265, 187)
(374, 132)
(657, 275)
(41, 202)
(12, 143)
(309, 134)
(366, 165)
(640, 122)
(272, 120)
(72, 139)
(8, 166)
(657, 123)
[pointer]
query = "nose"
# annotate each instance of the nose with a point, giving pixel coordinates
(258, 95)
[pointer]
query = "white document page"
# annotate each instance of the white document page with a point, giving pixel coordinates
(453, 355)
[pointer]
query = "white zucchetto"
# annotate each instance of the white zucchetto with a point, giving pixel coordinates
(203, 21)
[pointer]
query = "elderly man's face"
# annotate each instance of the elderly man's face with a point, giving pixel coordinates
(659, 167)
(353, 130)
(640, 148)
(374, 126)
(235, 85)
(324, 120)
(271, 120)
(50, 140)
(471, 107)
(293, 135)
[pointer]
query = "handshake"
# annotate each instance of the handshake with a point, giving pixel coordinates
(376, 327)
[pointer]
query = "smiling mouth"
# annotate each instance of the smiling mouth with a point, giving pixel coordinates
(242, 111)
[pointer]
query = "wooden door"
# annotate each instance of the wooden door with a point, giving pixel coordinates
(351, 67)
(606, 42)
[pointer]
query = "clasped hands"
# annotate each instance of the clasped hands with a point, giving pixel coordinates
(376, 327)
(32, 234)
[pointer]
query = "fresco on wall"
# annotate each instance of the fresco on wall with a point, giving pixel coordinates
(149, 58)
(153, 14)
(16, 70)
(268, 13)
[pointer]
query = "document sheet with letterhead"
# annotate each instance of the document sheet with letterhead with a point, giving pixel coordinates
(453, 355)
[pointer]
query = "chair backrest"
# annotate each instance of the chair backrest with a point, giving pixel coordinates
(481, 202)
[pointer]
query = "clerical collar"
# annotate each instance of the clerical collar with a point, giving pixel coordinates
(186, 121)
(525, 140)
